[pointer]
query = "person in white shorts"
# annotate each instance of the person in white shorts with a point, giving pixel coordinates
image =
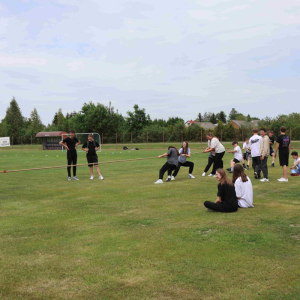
(247, 154)
(237, 156)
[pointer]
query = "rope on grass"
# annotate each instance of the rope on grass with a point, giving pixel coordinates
(78, 165)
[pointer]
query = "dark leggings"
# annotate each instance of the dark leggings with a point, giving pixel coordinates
(255, 162)
(72, 160)
(186, 164)
(211, 160)
(166, 167)
(219, 207)
(218, 163)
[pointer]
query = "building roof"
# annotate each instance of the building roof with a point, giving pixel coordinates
(255, 122)
(238, 122)
(205, 125)
(51, 133)
(190, 121)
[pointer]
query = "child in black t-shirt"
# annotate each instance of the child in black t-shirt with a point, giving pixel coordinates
(284, 146)
(272, 153)
(91, 147)
(227, 200)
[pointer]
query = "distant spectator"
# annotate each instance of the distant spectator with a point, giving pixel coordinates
(243, 187)
(284, 146)
(296, 167)
(255, 141)
(272, 153)
(264, 152)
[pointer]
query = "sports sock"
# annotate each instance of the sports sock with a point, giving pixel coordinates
(231, 169)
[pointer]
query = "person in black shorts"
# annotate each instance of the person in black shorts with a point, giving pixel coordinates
(70, 143)
(91, 147)
(284, 146)
(227, 200)
(272, 153)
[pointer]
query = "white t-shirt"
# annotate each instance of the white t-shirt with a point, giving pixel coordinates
(212, 152)
(255, 141)
(238, 153)
(182, 159)
(297, 161)
(245, 145)
(215, 143)
(244, 191)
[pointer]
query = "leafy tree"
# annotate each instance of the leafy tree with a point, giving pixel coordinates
(221, 116)
(199, 117)
(34, 125)
(54, 121)
(229, 132)
(137, 119)
(206, 117)
(213, 119)
(60, 120)
(233, 113)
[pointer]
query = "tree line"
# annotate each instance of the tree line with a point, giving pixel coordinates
(105, 119)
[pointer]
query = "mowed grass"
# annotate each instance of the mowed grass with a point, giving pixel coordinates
(126, 238)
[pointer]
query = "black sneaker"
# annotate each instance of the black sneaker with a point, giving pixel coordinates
(230, 172)
(272, 165)
(247, 168)
(229, 169)
(255, 175)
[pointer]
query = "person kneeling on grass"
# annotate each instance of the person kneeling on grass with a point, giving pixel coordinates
(237, 156)
(91, 147)
(184, 152)
(243, 187)
(296, 167)
(170, 165)
(227, 200)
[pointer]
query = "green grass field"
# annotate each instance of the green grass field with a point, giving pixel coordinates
(126, 238)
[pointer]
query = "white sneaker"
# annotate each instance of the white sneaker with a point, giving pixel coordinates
(75, 178)
(172, 178)
(203, 174)
(168, 178)
(101, 177)
(92, 177)
(264, 180)
(210, 175)
(283, 180)
(158, 181)
(191, 176)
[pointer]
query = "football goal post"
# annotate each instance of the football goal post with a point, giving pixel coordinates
(83, 137)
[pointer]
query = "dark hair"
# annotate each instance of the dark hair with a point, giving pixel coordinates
(283, 129)
(238, 171)
(270, 131)
(72, 130)
(175, 149)
(184, 151)
(90, 135)
(255, 130)
(294, 153)
(234, 142)
(246, 138)
(224, 178)
(264, 129)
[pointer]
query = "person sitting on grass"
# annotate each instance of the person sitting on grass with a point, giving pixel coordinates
(284, 146)
(237, 156)
(184, 152)
(243, 187)
(227, 200)
(296, 167)
(90, 147)
(170, 165)
(247, 154)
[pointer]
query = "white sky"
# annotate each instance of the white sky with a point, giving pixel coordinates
(172, 57)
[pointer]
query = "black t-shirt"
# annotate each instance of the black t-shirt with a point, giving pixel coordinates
(284, 141)
(71, 143)
(227, 194)
(272, 141)
(92, 148)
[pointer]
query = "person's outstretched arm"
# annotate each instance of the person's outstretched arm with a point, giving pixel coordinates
(164, 155)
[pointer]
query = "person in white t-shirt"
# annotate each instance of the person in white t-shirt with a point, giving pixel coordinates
(218, 149)
(247, 154)
(237, 156)
(295, 169)
(255, 141)
(211, 159)
(243, 187)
